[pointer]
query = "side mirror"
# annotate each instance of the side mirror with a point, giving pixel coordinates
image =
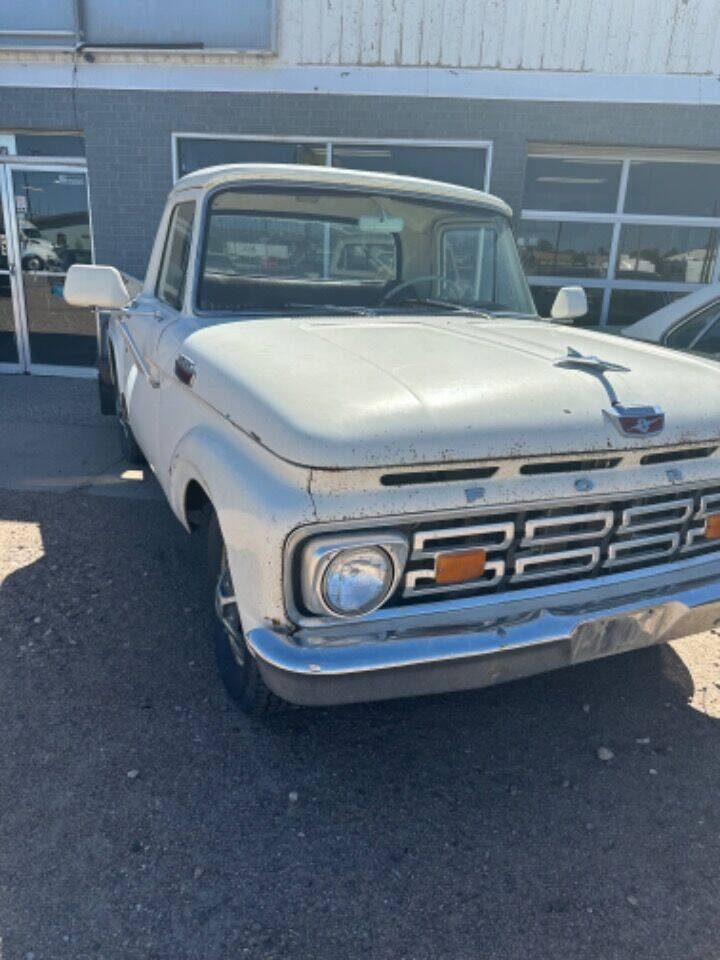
(91, 286)
(569, 303)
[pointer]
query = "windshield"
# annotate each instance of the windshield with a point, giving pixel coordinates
(324, 250)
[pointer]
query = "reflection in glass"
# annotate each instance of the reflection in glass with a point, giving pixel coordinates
(558, 248)
(3, 242)
(173, 268)
(193, 154)
(327, 250)
(8, 346)
(59, 334)
(49, 145)
(53, 220)
(544, 297)
(667, 253)
(465, 166)
(311, 153)
(553, 183)
(627, 306)
(675, 189)
(462, 165)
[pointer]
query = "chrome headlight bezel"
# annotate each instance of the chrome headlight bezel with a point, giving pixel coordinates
(318, 553)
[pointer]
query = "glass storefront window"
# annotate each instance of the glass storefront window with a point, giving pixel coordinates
(673, 189)
(627, 306)
(556, 248)
(8, 346)
(668, 253)
(53, 220)
(602, 218)
(59, 334)
(462, 165)
(195, 153)
(312, 153)
(554, 183)
(49, 145)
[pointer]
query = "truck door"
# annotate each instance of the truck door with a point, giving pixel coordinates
(144, 324)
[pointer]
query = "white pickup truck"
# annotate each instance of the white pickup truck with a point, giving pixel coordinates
(410, 482)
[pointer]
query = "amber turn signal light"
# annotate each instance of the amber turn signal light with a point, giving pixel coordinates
(712, 527)
(460, 567)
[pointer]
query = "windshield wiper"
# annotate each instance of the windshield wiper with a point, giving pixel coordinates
(333, 308)
(442, 304)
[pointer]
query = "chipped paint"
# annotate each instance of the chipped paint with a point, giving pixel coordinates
(578, 36)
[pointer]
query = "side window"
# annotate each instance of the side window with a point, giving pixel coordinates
(477, 267)
(709, 342)
(684, 334)
(173, 267)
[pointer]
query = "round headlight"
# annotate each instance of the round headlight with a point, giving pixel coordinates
(357, 580)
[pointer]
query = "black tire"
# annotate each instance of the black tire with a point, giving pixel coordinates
(106, 395)
(128, 444)
(236, 665)
(106, 369)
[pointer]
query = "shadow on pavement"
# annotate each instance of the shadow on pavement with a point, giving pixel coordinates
(142, 816)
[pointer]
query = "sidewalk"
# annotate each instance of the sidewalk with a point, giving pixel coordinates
(54, 438)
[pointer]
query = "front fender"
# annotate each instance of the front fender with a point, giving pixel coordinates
(259, 499)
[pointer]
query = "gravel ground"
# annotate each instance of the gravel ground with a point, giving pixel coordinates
(141, 816)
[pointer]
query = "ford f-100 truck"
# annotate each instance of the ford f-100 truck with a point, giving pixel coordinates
(409, 482)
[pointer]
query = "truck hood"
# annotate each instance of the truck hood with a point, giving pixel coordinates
(368, 392)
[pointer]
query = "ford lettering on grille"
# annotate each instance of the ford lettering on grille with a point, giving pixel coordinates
(534, 546)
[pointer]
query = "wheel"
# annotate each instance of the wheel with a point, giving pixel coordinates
(106, 370)
(33, 263)
(128, 444)
(236, 665)
(106, 395)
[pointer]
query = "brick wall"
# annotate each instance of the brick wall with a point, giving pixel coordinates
(129, 147)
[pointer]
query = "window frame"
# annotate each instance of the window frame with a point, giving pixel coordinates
(330, 142)
(165, 247)
(618, 219)
(202, 226)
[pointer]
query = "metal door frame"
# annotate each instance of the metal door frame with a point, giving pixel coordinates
(22, 337)
(11, 245)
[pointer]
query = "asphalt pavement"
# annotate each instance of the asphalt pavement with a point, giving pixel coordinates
(142, 816)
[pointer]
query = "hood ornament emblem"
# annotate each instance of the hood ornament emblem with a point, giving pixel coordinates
(631, 421)
(574, 358)
(636, 421)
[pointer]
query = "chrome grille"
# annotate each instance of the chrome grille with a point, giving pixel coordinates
(530, 546)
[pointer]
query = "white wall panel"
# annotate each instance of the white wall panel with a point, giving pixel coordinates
(607, 36)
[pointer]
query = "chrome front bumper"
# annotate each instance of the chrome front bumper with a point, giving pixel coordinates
(556, 628)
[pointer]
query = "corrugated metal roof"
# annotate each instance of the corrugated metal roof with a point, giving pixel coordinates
(609, 36)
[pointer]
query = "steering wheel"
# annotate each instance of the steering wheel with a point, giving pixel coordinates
(408, 283)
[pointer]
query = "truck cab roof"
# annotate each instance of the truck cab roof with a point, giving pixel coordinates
(291, 174)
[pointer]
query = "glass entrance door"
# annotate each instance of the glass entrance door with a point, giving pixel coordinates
(47, 229)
